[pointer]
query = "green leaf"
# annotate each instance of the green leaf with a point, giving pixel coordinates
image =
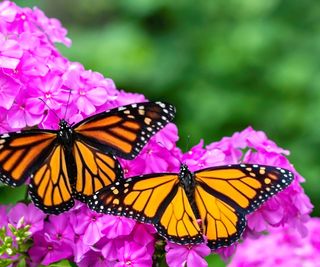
(5, 262)
(22, 263)
(63, 263)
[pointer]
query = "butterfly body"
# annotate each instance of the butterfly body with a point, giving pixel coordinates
(75, 161)
(191, 207)
(188, 182)
(66, 135)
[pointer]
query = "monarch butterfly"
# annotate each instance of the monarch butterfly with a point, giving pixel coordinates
(185, 207)
(76, 161)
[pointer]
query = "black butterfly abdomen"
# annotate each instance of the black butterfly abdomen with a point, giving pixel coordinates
(188, 183)
(66, 137)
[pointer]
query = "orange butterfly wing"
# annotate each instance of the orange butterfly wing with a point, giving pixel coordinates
(157, 199)
(50, 187)
(125, 130)
(22, 153)
(224, 195)
(95, 170)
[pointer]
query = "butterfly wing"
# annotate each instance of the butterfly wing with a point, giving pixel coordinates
(125, 130)
(22, 153)
(157, 199)
(50, 187)
(221, 223)
(224, 195)
(94, 170)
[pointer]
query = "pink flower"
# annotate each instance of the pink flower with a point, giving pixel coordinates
(20, 115)
(198, 157)
(86, 95)
(95, 259)
(282, 247)
(143, 234)
(179, 256)
(132, 254)
(52, 27)
(116, 226)
(30, 67)
(167, 137)
(7, 11)
(49, 90)
(47, 251)
(125, 98)
(10, 52)
(90, 225)
(110, 247)
(80, 248)
(59, 230)
(158, 159)
(9, 89)
(32, 216)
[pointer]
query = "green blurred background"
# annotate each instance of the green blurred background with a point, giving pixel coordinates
(224, 65)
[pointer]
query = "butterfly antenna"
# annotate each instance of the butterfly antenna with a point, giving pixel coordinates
(50, 108)
(65, 113)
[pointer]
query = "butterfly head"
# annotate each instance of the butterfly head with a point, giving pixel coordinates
(186, 177)
(65, 133)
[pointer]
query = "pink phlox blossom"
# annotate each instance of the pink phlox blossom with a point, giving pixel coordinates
(31, 216)
(55, 242)
(180, 256)
(90, 225)
(125, 98)
(158, 159)
(49, 90)
(80, 249)
(10, 52)
(132, 167)
(8, 11)
(20, 115)
(59, 230)
(226, 252)
(141, 234)
(257, 140)
(133, 254)
(9, 89)
(95, 259)
(51, 27)
(167, 137)
(34, 44)
(144, 235)
(47, 251)
(30, 67)
(4, 125)
(281, 247)
(109, 248)
(116, 226)
(270, 214)
(198, 157)
(86, 96)
(225, 145)
(97, 80)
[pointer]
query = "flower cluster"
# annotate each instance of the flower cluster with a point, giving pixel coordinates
(91, 239)
(38, 86)
(36, 80)
(282, 247)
